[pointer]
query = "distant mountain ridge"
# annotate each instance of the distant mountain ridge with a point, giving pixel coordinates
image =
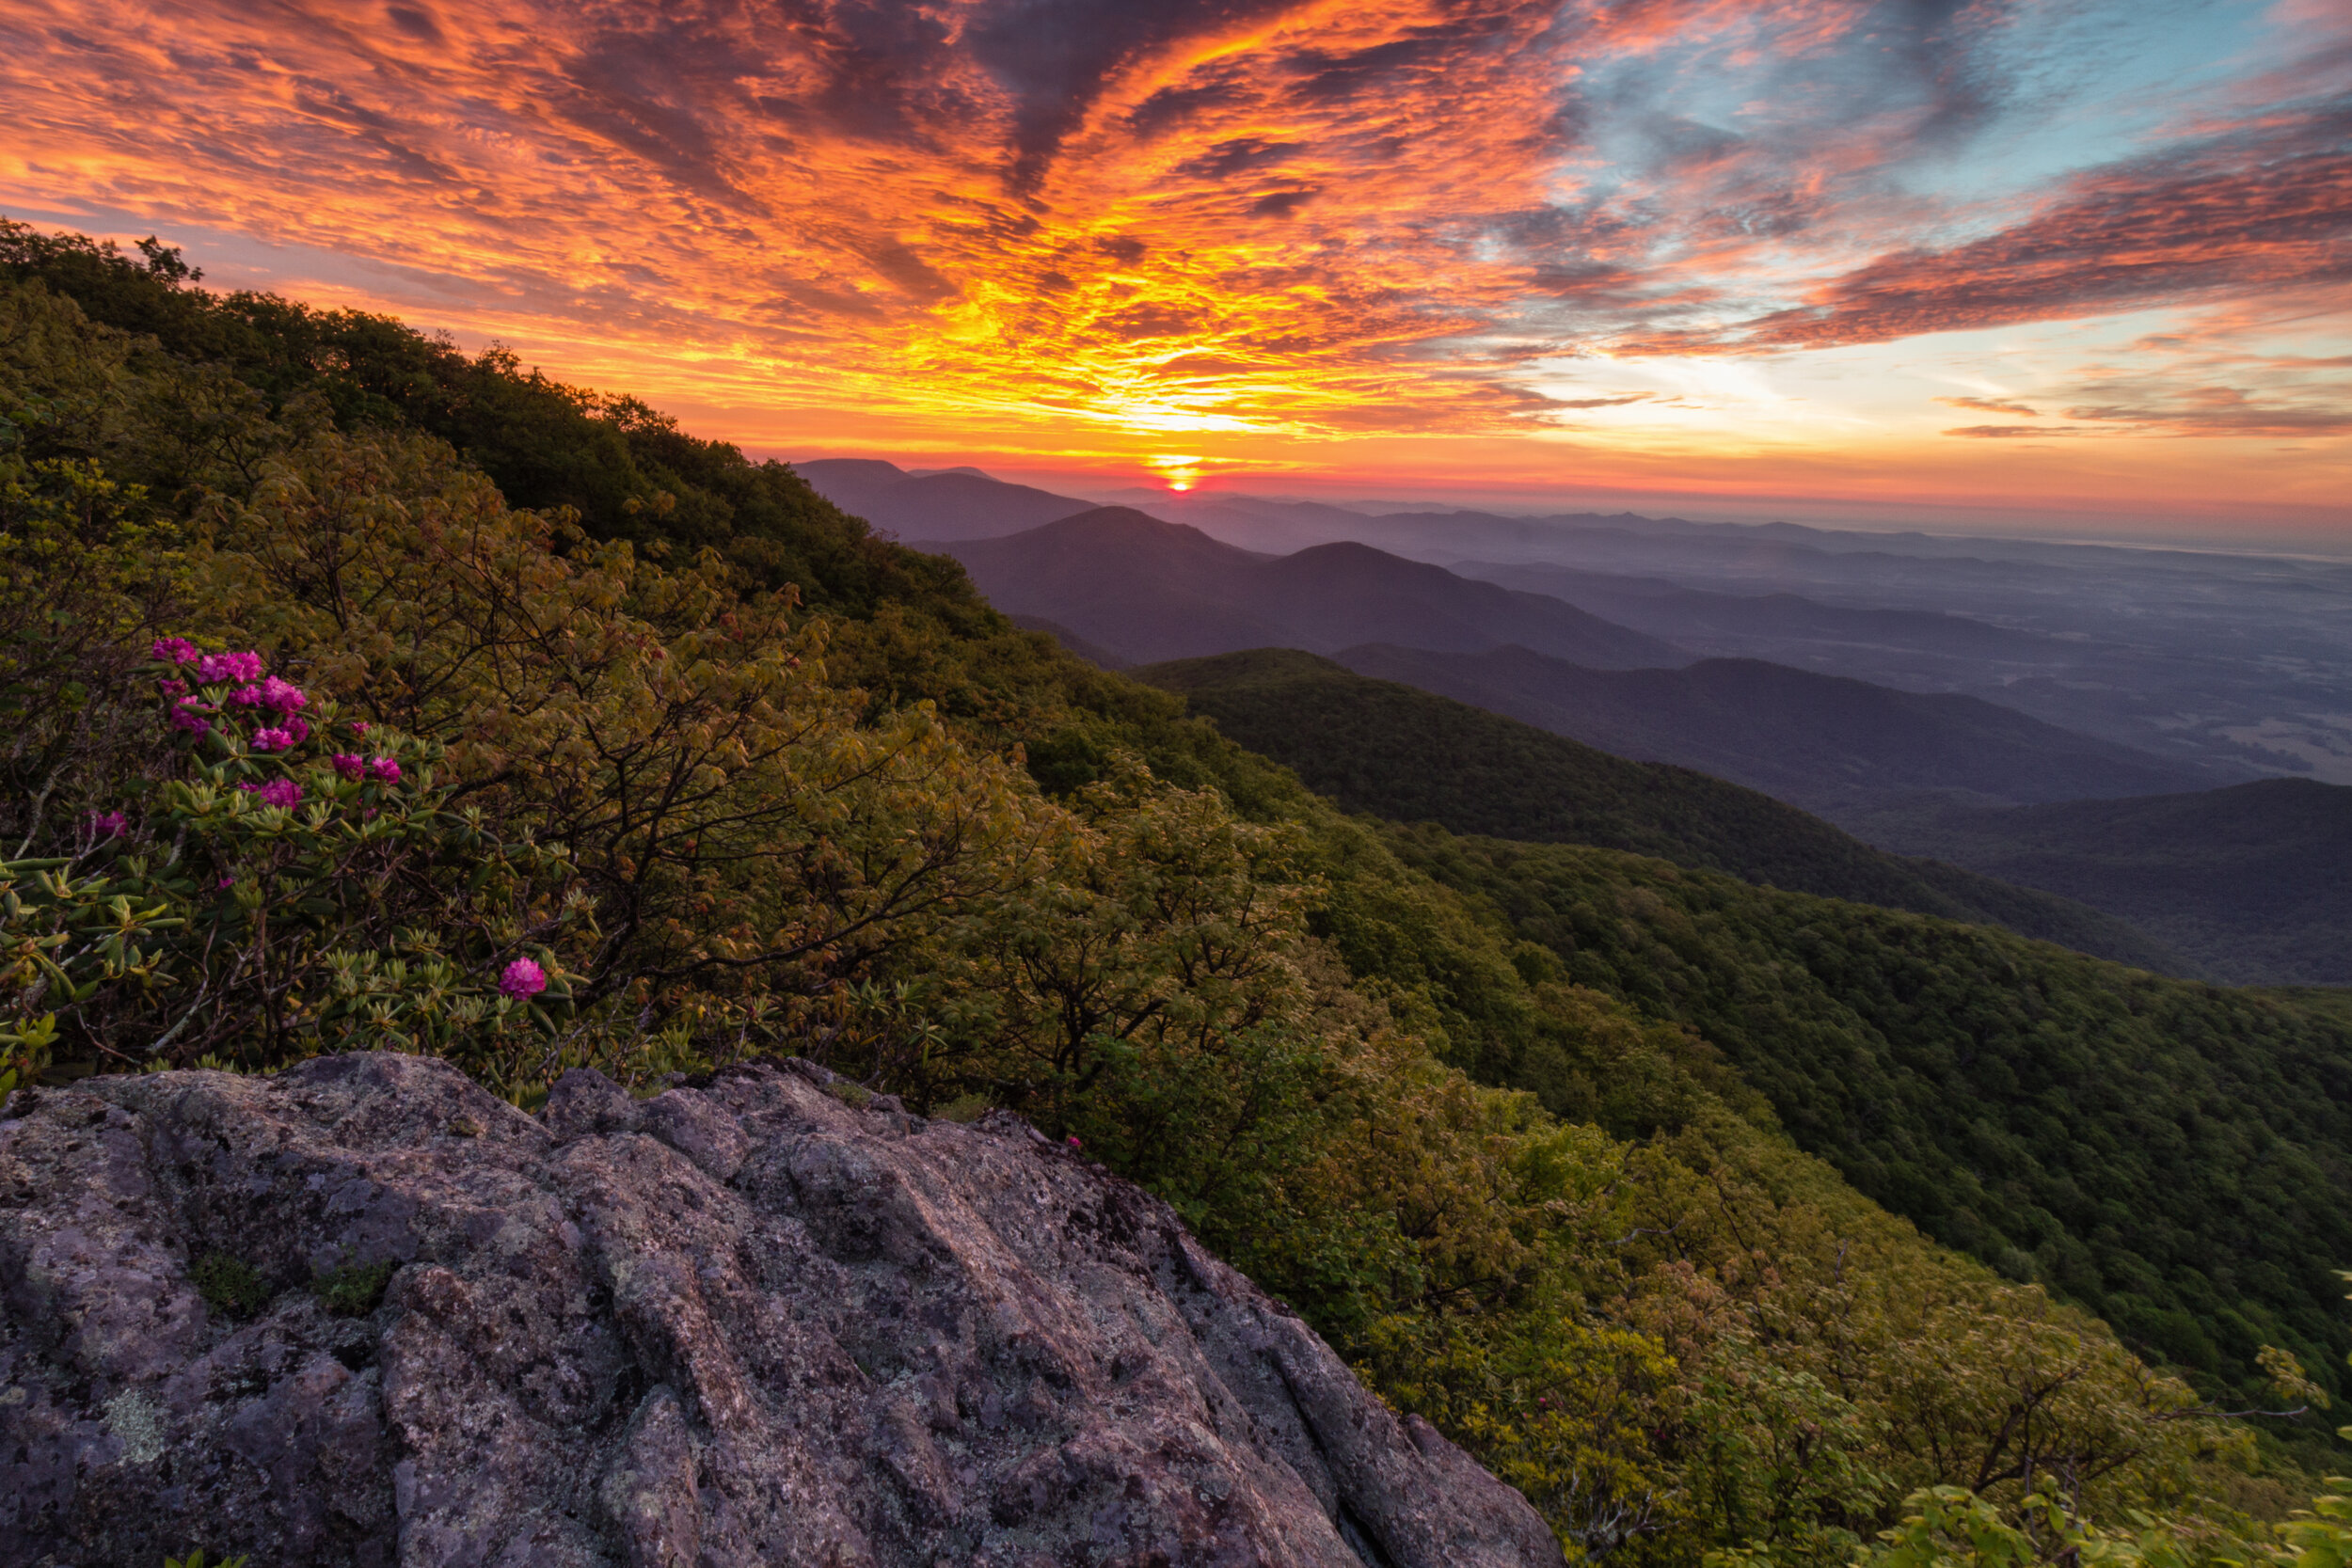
(1147, 589)
(1388, 748)
(952, 503)
(1827, 743)
(1747, 624)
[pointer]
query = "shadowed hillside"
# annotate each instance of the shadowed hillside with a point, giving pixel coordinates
(1387, 749)
(1825, 742)
(2248, 882)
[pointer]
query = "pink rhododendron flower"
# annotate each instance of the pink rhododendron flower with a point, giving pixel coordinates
(523, 978)
(271, 740)
(385, 769)
(174, 650)
(349, 766)
(213, 669)
(277, 792)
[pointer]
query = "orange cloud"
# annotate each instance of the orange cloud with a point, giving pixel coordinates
(1241, 228)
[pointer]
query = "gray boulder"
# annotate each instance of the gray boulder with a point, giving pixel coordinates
(741, 1323)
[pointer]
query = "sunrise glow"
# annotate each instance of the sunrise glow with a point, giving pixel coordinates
(2032, 255)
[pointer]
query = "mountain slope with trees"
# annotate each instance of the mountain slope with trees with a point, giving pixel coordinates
(2162, 1151)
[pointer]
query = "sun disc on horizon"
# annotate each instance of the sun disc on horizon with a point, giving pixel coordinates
(1179, 474)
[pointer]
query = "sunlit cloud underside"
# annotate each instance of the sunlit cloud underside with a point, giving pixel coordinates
(2028, 253)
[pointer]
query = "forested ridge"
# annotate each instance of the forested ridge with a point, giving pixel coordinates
(1397, 751)
(364, 694)
(2167, 1154)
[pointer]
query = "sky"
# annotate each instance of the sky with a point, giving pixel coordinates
(2081, 266)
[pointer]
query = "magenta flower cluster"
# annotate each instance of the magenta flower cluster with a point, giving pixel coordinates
(523, 978)
(271, 694)
(219, 669)
(278, 696)
(277, 792)
(355, 767)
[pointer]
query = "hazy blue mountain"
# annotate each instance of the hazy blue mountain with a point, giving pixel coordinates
(1146, 590)
(1782, 623)
(2233, 667)
(2248, 882)
(1825, 742)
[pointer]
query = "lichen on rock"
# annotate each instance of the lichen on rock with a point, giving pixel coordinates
(741, 1323)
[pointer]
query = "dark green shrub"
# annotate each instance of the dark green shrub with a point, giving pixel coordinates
(352, 1290)
(230, 1285)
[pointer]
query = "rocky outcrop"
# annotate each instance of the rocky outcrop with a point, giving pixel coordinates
(741, 1323)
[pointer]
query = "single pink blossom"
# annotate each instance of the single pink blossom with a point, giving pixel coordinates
(213, 669)
(384, 768)
(108, 824)
(523, 978)
(174, 650)
(271, 740)
(277, 792)
(350, 767)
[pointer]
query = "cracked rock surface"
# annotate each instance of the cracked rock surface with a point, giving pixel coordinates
(740, 1323)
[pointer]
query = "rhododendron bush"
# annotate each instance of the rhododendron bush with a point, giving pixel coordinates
(253, 903)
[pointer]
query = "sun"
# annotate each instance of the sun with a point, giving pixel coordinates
(1179, 474)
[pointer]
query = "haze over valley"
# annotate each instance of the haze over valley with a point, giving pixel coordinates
(1907, 687)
